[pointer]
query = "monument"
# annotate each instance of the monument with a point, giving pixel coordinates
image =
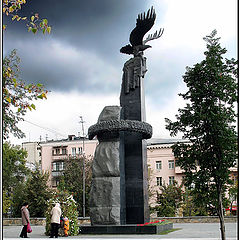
(119, 190)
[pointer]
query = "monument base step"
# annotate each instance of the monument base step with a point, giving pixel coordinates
(125, 229)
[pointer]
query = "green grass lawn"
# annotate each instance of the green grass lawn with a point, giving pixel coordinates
(168, 231)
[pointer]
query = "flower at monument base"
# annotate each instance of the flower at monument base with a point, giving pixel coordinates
(149, 223)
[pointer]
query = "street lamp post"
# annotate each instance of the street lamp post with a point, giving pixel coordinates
(84, 199)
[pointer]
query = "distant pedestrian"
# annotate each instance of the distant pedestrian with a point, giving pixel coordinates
(25, 220)
(55, 220)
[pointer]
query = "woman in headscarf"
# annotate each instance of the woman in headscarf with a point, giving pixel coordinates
(25, 220)
(55, 220)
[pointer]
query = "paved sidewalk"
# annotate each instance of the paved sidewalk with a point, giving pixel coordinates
(188, 231)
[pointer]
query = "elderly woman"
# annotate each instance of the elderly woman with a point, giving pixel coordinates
(25, 220)
(55, 220)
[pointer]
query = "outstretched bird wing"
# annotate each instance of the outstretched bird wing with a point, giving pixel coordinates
(143, 25)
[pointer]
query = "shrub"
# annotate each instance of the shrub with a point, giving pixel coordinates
(69, 209)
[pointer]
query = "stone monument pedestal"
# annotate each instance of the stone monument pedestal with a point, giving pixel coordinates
(125, 229)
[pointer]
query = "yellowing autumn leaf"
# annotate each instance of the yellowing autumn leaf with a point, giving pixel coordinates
(44, 95)
(49, 29)
(14, 17)
(33, 106)
(11, 9)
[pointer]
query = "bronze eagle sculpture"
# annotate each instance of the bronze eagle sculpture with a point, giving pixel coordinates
(143, 25)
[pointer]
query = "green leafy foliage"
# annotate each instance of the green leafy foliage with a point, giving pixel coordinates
(6, 202)
(17, 96)
(38, 193)
(72, 180)
(13, 166)
(33, 190)
(233, 191)
(207, 122)
(69, 209)
(19, 196)
(169, 200)
(189, 206)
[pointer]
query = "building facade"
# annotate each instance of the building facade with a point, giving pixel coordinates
(34, 157)
(162, 167)
(54, 153)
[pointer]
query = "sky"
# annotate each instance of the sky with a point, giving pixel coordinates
(81, 65)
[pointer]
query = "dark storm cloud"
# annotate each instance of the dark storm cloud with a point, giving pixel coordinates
(98, 27)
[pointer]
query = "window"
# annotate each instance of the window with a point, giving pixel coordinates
(73, 151)
(170, 164)
(80, 150)
(57, 151)
(64, 151)
(171, 180)
(57, 166)
(158, 165)
(159, 181)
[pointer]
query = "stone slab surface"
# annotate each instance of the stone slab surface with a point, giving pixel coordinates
(124, 229)
(188, 231)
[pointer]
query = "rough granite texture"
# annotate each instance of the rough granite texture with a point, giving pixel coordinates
(105, 187)
(106, 161)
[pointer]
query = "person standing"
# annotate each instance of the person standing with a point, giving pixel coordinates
(55, 220)
(25, 220)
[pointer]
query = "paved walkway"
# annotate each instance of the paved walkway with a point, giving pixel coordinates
(188, 231)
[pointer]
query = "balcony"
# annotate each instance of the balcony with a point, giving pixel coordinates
(178, 170)
(57, 173)
(57, 157)
(234, 169)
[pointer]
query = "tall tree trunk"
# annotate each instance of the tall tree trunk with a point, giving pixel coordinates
(221, 215)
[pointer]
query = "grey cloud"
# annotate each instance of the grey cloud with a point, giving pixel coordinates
(98, 27)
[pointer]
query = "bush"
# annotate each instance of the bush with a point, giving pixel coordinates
(69, 210)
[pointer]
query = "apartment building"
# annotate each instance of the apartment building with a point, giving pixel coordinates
(161, 166)
(54, 153)
(34, 154)
(161, 162)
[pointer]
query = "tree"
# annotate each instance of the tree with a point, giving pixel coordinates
(207, 122)
(169, 200)
(72, 180)
(33, 190)
(233, 194)
(38, 193)
(18, 197)
(6, 201)
(10, 8)
(17, 96)
(192, 207)
(14, 168)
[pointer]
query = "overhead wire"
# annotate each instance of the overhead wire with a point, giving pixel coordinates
(45, 128)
